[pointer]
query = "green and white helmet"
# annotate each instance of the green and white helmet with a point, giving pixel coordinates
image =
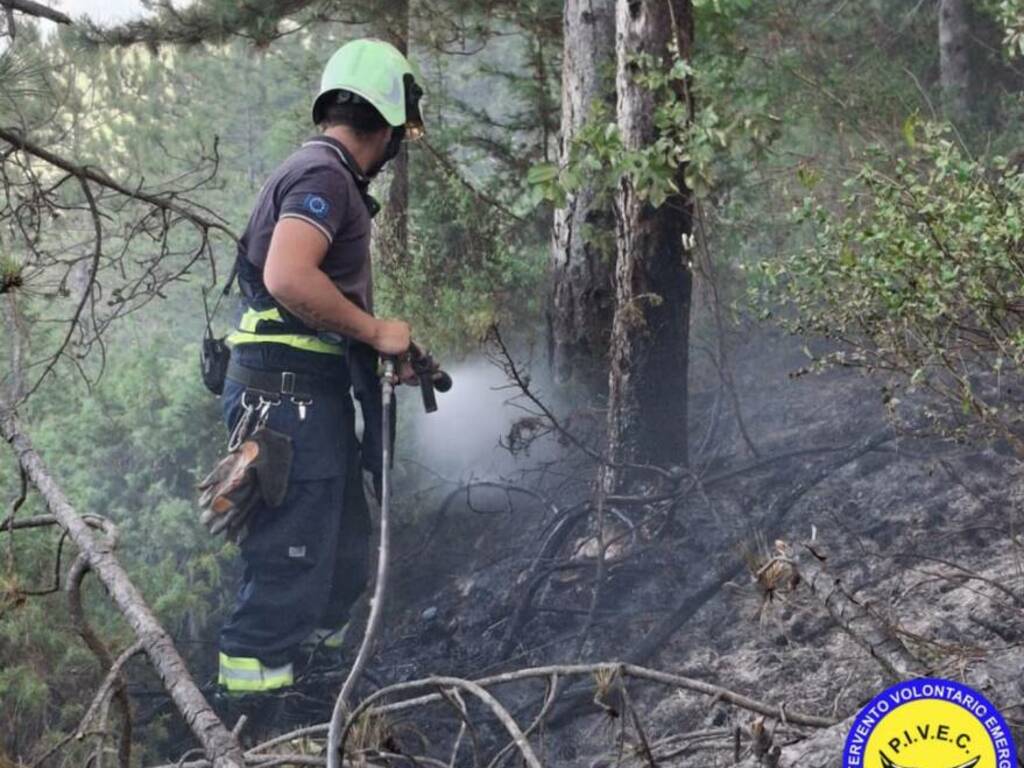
(378, 73)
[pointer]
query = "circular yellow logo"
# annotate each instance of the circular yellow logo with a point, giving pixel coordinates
(929, 723)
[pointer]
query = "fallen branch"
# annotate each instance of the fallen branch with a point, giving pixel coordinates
(858, 620)
(333, 756)
(218, 743)
(580, 670)
(108, 683)
(538, 721)
(371, 707)
(76, 575)
(534, 578)
(818, 750)
(38, 521)
(967, 573)
(772, 522)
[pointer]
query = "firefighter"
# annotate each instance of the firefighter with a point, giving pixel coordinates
(306, 340)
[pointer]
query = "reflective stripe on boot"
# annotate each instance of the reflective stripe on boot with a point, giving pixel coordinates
(239, 674)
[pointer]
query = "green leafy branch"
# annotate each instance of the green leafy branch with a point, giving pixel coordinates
(919, 274)
(599, 159)
(1011, 14)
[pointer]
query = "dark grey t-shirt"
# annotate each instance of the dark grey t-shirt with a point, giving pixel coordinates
(313, 185)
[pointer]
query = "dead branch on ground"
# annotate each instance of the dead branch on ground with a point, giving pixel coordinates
(76, 611)
(220, 746)
(860, 620)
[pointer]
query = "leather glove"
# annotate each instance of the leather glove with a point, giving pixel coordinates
(257, 470)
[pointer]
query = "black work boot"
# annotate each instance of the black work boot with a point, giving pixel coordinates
(321, 654)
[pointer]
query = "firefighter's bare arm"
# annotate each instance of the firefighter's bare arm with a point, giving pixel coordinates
(292, 275)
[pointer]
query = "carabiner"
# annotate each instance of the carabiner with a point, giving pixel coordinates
(264, 410)
(242, 426)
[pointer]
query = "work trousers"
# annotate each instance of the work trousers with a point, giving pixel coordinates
(307, 560)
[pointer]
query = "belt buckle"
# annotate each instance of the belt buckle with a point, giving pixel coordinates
(287, 383)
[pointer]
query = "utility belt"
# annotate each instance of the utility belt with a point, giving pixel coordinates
(269, 326)
(298, 386)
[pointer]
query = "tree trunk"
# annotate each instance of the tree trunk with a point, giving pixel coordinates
(393, 227)
(218, 743)
(582, 301)
(647, 418)
(17, 337)
(954, 57)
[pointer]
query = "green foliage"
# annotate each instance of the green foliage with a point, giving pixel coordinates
(919, 273)
(599, 159)
(727, 126)
(467, 268)
(132, 450)
(1010, 16)
(724, 7)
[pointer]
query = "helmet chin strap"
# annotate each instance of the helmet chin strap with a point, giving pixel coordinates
(391, 151)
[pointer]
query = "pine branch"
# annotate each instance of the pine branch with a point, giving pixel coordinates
(209, 21)
(30, 8)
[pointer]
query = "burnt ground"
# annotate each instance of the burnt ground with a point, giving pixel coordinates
(923, 531)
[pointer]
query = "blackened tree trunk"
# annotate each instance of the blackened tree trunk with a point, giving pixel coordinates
(582, 257)
(647, 416)
(954, 57)
(393, 233)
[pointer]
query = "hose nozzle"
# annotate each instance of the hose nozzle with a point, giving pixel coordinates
(430, 375)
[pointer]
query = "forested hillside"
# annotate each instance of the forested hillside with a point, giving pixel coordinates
(732, 295)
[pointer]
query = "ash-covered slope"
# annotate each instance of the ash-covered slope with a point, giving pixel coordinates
(922, 534)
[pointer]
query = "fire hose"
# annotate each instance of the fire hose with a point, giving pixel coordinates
(431, 379)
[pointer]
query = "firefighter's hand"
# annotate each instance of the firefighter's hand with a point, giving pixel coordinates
(392, 337)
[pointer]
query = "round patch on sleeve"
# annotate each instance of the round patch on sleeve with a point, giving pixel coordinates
(317, 206)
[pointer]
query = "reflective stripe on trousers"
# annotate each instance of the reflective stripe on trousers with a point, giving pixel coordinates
(239, 674)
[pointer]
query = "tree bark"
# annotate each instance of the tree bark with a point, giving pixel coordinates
(220, 745)
(582, 299)
(18, 340)
(393, 229)
(647, 418)
(954, 57)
